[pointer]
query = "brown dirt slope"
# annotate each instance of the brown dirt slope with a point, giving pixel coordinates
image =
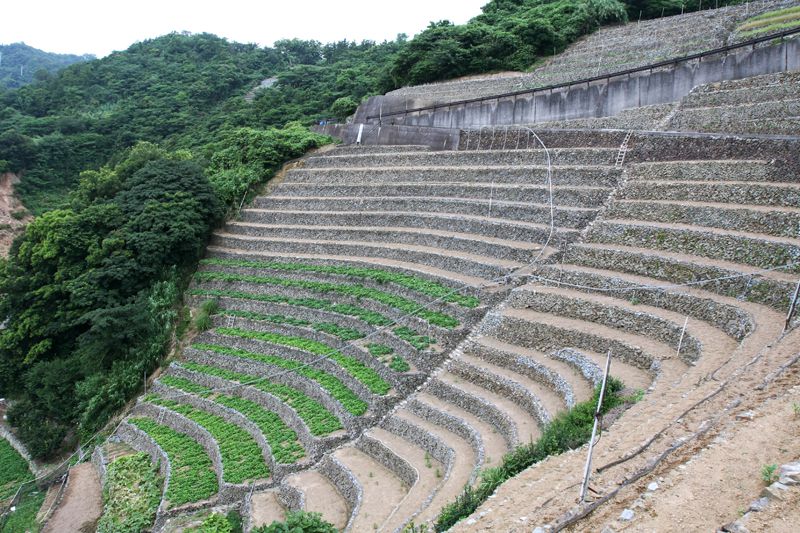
(82, 504)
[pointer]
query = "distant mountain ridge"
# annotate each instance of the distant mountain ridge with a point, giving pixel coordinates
(20, 63)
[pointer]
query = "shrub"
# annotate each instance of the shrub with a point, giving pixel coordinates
(299, 522)
(203, 320)
(131, 495)
(769, 474)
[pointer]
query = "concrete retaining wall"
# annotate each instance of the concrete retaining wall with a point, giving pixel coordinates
(602, 98)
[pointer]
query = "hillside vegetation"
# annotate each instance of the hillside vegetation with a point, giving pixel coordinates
(21, 64)
(131, 160)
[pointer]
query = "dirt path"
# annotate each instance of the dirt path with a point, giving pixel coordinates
(265, 509)
(82, 505)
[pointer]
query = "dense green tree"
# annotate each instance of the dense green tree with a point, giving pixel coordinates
(22, 64)
(85, 314)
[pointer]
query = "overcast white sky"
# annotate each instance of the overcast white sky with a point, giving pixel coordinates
(100, 27)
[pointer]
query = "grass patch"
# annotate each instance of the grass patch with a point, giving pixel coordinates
(23, 519)
(773, 21)
(13, 470)
(282, 439)
(131, 494)
(203, 320)
(241, 456)
(332, 384)
(356, 291)
(415, 283)
(192, 473)
(354, 367)
(569, 430)
(319, 420)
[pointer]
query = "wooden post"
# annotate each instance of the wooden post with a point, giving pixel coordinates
(588, 469)
(792, 307)
(683, 332)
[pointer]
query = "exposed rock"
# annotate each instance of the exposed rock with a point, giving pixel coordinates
(758, 505)
(735, 527)
(626, 515)
(652, 486)
(747, 415)
(776, 491)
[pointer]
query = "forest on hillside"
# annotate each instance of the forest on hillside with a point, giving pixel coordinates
(131, 160)
(21, 64)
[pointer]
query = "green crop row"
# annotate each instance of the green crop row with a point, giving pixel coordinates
(13, 469)
(398, 364)
(379, 350)
(241, 454)
(420, 342)
(370, 317)
(131, 494)
(346, 334)
(385, 355)
(319, 420)
(420, 285)
(353, 366)
(192, 474)
(356, 291)
(332, 384)
(281, 438)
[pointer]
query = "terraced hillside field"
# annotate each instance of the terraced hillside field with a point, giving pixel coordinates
(352, 367)
(632, 284)
(337, 295)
